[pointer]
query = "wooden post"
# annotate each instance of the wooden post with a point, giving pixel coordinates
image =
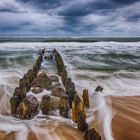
(92, 134)
(45, 104)
(64, 106)
(28, 108)
(18, 93)
(35, 69)
(99, 89)
(23, 88)
(81, 122)
(85, 98)
(27, 81)
(14, 102)
(64, 76)
(31, 75)
(70, 90)
(77, 107)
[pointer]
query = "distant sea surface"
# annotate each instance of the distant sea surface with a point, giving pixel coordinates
(113, 63)
(67, 39)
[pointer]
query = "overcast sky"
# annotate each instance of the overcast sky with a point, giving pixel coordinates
(70, 17)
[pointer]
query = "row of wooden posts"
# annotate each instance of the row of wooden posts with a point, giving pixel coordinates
(75, 103)
(25, 84)
(27, 107)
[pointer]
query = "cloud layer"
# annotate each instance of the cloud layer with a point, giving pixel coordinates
(70, 18)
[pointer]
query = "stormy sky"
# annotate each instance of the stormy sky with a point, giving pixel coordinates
(70, 17)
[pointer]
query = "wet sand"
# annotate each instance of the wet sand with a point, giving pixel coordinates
(126, 123)
(59, 132)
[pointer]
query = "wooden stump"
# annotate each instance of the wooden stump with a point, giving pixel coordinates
(85, 98)
(27, 82)
(28, 108)
(31, 75)
(64, 76)
(70, 90)
(92, 134)
(43, 51)
(14, 102)
(23, 87)
(60, 67)
(99, 89)
(18, 93)
(77, 107)
(45, 104)
(81, 122)
(59, 63)
(35, 69)
(64, 106)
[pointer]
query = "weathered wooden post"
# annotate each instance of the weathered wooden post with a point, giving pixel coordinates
(35, 69)
(14, 102)
(77, 107)
(60, 67)
(92, 134)
(64, 76)
(28, 108)
(70, 90)
(64, 106)
(99, 89)
(31, 75)
(43, 51)
(85, 98)
(59, 63)
(81, 122)
(23, 88)
(27, 81)
(18, 93)
(45, 104)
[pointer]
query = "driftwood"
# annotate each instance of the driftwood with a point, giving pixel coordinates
(28, 108)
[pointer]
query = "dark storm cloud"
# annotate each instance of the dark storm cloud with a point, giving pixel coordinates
(83, 9)
(44, 4)
(125, 1)
(134, 18)
(75, 17)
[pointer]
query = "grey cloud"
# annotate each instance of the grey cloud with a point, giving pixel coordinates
(75, 17)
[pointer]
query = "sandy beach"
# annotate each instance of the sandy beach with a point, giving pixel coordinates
(126, 122)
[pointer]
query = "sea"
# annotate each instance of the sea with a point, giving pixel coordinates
(111, 62)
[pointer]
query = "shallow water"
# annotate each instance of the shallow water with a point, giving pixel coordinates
(114, 65)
